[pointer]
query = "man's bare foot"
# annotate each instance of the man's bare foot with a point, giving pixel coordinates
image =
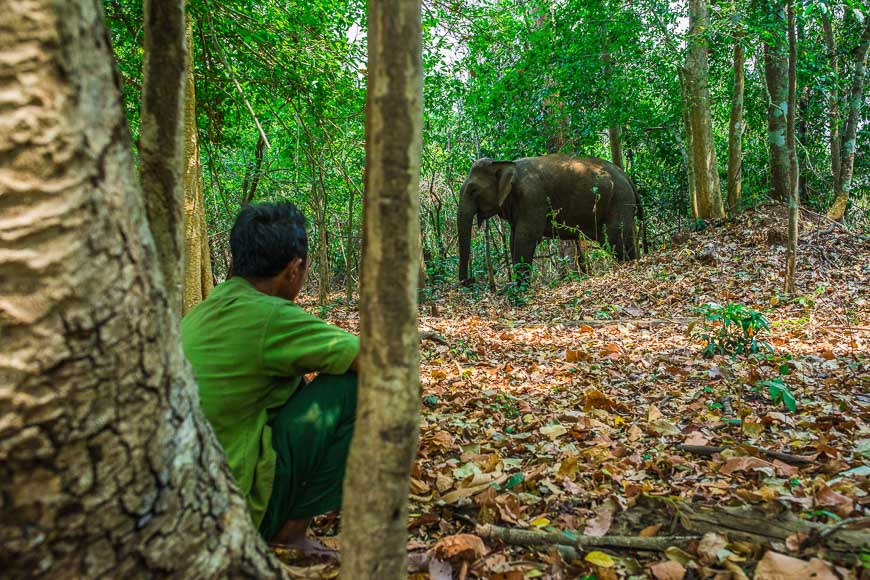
(309, 547)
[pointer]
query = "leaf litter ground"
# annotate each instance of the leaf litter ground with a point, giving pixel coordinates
(590, 410)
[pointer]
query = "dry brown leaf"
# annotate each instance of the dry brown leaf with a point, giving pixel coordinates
(839, 503)
(419, 487)
(747, 463)
(668, 570)
(467, 547)
(650, 531)
(776, 566)
(709, 548)
(600, 524)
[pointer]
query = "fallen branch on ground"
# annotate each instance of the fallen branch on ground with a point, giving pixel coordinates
(433, 336)
(520, 537)
(784, 457)
(771, 530)
(612, 321)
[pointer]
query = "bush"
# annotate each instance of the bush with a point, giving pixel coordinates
(731, 329)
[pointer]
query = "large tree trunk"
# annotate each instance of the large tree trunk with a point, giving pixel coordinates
(776, 74)
(198, 280)
(735, 128)
(708, 194)
(793, 193)
(375, 514)
(161, 146)
(843, 184)
(107, 466)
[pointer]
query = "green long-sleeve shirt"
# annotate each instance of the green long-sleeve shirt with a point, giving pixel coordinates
(249, 351)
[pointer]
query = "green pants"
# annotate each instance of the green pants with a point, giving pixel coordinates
(311, 435)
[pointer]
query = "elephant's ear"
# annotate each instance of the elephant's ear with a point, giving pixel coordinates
(506, 176)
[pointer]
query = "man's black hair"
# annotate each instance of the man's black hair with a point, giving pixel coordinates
(266, 237)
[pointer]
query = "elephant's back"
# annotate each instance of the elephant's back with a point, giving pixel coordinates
(573, 170)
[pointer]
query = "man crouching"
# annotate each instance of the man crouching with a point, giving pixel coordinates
(250, 345)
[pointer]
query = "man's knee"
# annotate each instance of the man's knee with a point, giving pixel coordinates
(344, 387)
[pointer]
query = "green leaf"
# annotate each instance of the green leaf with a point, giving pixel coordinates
(514, 480)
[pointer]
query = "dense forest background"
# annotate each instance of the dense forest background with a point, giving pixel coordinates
(280, 103)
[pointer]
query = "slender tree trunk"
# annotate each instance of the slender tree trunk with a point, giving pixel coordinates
(506, 247)
(614, 131)
(162, 127)
(253, 172)
(708, 194)
(776, 74)
(686, 149)
(735, 128)
(833, 98)
(375, 516)
(490, 273)
(793, 198)
(348, 261)
(323, 267)
(107, 466)
(198, 280)
(803, 112)
(843, 185)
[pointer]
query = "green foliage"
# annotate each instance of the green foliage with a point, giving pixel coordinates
(502, 79)
(506, 405)
(779, 393)
(731, 329)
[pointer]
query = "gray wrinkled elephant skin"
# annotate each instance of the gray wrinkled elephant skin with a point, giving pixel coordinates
(553, 196)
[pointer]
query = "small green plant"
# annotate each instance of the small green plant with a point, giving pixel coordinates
(731, 329)
(517, 293)
(506, 404)
(779, 393)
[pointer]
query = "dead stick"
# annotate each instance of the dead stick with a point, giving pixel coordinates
(612, 321)
(433, 336)
(784, 457)
(535, 538)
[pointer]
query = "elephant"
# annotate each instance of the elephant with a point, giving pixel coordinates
(552, 196)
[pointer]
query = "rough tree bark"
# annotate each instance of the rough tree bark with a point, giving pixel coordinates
(793, 193)
(198, 280)
(776, 75)
(707, 190)
(614, 131)
(107, 467)
(388, 412)
(686, 142)
(843, 183)
(735, 128)
(162, 126)
(833, 95)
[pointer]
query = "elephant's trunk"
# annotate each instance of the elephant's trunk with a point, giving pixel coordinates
(463, 225)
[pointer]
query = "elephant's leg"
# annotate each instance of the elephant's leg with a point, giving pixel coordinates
(524, 255)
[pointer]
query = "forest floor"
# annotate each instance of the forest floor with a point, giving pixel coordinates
(590, 417)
